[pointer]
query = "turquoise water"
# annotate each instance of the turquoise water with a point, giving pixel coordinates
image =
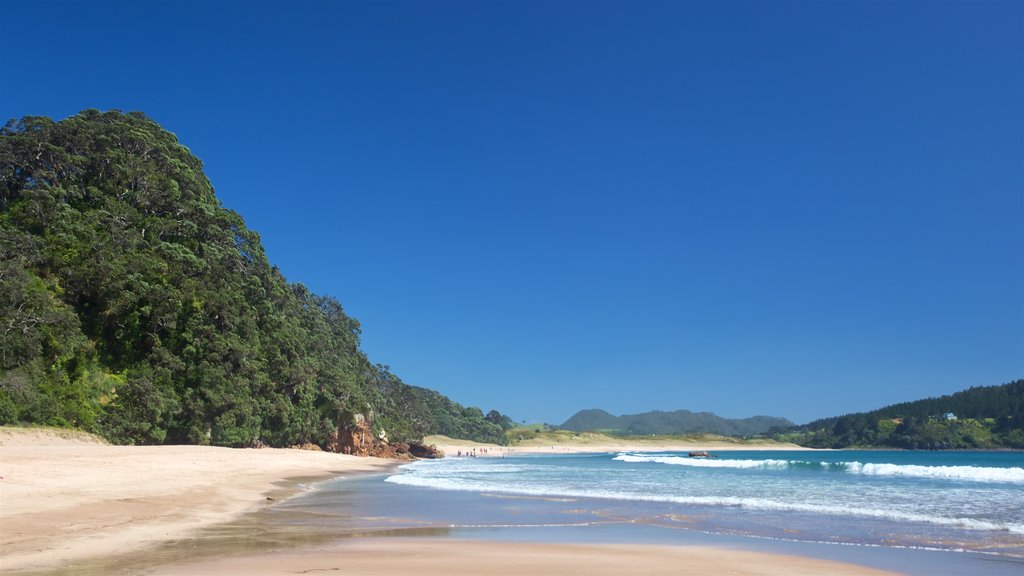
(971, 501)
(913, 512)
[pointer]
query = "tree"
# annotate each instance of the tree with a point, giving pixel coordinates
(500, 419)
(133, 303)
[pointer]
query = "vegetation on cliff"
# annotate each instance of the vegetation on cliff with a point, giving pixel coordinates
(133, 304)
(987, 417)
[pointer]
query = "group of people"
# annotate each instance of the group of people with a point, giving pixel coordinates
(471, 453)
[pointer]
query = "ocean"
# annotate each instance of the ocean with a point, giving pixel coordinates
(947, 500)
(916, 512)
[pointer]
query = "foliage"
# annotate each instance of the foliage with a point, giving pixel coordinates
(983, 417)
(416, 412)
(132, 303)
(500, 419)
(667, 423)
(523, 432)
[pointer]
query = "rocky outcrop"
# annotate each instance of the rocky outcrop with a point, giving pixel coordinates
(423, 451)
(307, 446)
(359, 439)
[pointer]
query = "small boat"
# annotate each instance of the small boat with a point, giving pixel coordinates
(701, 454)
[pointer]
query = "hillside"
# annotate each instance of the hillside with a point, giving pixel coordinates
(133, 304)
(668, 423)
(981, 417)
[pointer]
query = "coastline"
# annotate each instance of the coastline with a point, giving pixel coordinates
(67, 503)
(68, 497)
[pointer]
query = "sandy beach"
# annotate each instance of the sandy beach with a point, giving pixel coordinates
(67, 499)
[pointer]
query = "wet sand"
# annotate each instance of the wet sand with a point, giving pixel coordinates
(66, 497)
(447, 556)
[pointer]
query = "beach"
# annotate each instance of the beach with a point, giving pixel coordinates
(68, 500)
(67, 497)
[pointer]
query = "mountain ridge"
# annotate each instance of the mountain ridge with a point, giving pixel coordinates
(660, 422)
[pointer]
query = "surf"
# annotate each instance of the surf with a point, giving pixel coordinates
(1011, 475)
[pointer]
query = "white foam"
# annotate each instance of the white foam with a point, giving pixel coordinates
(1013, 475)
(706, 462)
(971, 473)
(767, 504)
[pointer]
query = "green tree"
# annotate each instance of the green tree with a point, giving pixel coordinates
(133, 303)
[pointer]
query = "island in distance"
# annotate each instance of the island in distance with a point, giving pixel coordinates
(670, 423)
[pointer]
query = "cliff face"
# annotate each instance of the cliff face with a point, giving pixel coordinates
(358, 439)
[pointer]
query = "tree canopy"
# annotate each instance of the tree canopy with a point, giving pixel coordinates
(133, 304)
(980, 417)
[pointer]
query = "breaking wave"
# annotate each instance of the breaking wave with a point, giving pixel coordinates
(708, 463)
(971, 473)
(750, 503)
(1012, 475)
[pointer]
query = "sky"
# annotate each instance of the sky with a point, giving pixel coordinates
(788, 208)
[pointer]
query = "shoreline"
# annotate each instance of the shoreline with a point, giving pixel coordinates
(74, 504)
(68, 497)
(588, 444)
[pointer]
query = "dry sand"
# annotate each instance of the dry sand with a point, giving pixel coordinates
(66, 496)
(70, 499)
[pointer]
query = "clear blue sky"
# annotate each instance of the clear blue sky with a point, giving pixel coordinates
(788, 208)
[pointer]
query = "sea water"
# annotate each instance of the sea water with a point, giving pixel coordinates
(963, 510)
(906, 496)
(971, 501)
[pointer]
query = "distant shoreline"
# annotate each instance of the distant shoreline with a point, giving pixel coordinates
(590, 443)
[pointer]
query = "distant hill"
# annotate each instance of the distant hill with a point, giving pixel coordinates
(678, 422)
(980, 417)
(593, 419)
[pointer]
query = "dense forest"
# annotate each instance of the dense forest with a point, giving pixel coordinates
(987, 417)
(667, 423)
(133, 304)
